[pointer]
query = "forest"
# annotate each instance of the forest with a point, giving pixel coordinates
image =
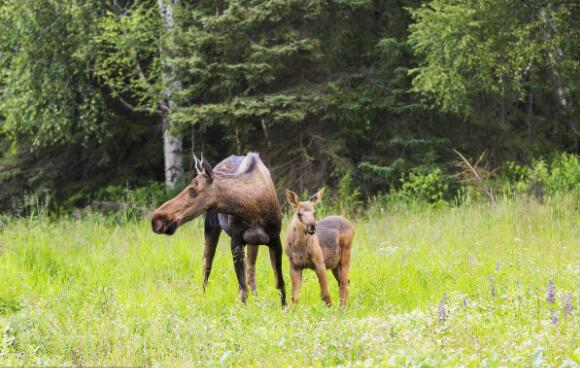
(97, 97)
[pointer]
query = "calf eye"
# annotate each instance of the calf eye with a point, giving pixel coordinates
(192, 192)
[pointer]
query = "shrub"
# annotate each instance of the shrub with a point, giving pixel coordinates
(426, 185)
(560, 174)
(563, 173)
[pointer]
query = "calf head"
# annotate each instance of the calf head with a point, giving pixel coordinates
(304, 212)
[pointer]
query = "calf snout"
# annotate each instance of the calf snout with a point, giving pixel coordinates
(162, 224)
(311, 229)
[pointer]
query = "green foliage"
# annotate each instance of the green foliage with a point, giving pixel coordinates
(237, 62)
(561, 174)
(348, 195)
(144, 197)
(47, 93)
(378, 178)
(494, 47)
(425, 185)
(319, 88)
(127, 54)
(507, 66)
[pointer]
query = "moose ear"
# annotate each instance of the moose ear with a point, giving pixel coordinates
(197, 164)
(207, 169)
(292, 198)
(317, 197)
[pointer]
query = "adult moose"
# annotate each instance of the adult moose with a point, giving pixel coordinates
(238, 196)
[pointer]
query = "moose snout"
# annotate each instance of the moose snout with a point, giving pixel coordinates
(311, 229)
(162, 224)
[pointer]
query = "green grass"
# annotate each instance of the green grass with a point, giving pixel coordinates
(99, 291)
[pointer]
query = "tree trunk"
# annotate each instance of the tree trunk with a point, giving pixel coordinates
(560, 87)
(556, 60)
(530, 113)
(172, 144)
(172, 152)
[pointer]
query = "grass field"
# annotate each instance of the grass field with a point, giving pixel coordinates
(464, 286)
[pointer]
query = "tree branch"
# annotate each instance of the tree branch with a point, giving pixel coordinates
(473, 169)
(147, 110)
(120, 10)
(163, 107)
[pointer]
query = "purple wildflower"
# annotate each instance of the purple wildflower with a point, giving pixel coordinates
(465, 300)
(442, 311)
(555, 318)
(496, 266)
(550, 298)
(568, 304)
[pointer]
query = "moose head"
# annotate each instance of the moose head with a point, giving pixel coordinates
(194, 200)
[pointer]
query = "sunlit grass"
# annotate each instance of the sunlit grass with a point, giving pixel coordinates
(99, 291)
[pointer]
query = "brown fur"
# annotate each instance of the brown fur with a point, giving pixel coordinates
(250, 196)
(239, 197)
(318, 246)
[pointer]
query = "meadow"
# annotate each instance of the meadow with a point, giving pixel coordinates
(470, 285)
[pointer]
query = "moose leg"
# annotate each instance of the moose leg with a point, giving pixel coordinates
(336, 273)
(296, 277)
(239, 266)
(251, 269)
(320, 270)
(344, 280)
(275, 249)
(212, 232)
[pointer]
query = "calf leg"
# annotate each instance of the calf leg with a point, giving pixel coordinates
(239, 266)
(344, 268)
(296, 277)
(212, 232)
(320, 270)
(275, 249)
(252, 251)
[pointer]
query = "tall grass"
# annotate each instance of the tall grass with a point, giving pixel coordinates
(462, 285)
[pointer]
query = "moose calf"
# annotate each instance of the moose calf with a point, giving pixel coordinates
(318, 246)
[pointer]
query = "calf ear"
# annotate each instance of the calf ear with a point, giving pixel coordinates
(292, 198)
(317, 197)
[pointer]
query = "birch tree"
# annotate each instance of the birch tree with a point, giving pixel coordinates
(46, 94)
(172, 144)
(135, 62)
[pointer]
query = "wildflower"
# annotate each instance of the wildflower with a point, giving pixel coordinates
(550, 298)
(465, 300)
(496, 266)
(568, 304)
(555, 318)
(442, 311)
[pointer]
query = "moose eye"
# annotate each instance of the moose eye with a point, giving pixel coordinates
(192, 192)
